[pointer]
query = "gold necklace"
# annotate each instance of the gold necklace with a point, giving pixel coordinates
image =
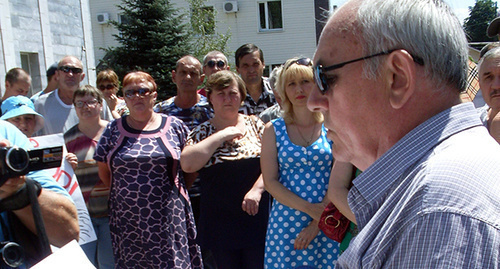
(308, 142)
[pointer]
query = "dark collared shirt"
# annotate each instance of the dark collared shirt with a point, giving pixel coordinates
(266, 99)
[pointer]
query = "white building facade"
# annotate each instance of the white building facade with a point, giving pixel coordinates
(281, 28)
(36, 33)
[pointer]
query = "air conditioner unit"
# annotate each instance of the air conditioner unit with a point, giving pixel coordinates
(102, 18)
(230, 6)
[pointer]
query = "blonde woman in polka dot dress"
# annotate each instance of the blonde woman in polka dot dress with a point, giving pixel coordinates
(296, 160)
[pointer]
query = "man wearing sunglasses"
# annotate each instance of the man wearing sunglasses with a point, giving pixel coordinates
(57, 106)
(389, 75)
(250, 65)
(17, 82)
(213, 62)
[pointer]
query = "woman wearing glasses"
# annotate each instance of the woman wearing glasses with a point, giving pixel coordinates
(81, 140)
(151, 220)
(107, 82)
(296, 162)
(225, 150)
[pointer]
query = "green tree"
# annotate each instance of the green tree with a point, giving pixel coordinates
(152, 37)
(203, 30)
(479, 16)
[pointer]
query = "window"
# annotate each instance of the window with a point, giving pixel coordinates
(30, 64)
(122, 18)
(270, 16)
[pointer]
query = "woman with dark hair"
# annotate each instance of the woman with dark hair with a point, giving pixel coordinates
(225, 150)
(151, 220)
(108, 83)
(82, 140)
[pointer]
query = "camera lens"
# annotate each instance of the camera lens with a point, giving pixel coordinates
(12, 254)
(17, 159)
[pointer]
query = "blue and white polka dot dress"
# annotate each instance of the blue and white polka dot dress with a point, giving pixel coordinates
(305, 172)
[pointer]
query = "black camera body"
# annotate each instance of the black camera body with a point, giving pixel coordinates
(11, 254)
(15, 161)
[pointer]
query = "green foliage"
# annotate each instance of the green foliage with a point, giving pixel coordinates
(479, 16)
(153, 37)
(203, 26)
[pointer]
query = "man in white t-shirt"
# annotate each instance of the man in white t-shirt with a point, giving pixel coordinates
(57, 107)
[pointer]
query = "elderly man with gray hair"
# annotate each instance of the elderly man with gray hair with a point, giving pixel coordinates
(389, 75)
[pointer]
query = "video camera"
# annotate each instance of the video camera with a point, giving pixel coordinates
(15, 161)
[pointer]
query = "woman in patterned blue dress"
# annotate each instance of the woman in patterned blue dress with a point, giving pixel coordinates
(296, 161)
(151, 220)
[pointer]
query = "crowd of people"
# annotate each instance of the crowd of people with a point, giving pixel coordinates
(236, 169)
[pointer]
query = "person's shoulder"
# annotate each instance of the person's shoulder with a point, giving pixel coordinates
(71, 132)
(165, 103)
(464, 170)
(203, 101)
(203, 127)
(40, 99)
(173, 119)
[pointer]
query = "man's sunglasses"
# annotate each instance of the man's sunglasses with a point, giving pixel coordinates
(319, 71)
(107, 87)
(212, 63)
(142, 92)
(67, 69)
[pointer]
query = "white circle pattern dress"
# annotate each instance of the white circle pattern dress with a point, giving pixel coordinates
(305, 171)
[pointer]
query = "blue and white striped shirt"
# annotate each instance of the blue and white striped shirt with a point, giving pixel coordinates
(432, 200)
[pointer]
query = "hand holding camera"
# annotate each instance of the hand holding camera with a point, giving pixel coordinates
(11, 185)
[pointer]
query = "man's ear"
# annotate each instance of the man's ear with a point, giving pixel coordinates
(82, 77)
(401, 77)
(202, 78)
(173, 76)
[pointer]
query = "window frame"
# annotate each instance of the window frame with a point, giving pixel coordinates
(267, 16)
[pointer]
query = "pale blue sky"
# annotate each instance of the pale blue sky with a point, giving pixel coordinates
(460, 7)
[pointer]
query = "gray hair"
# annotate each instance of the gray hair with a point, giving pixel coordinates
(425, 28)
(491, 54)
(212, 54)
(274, 76)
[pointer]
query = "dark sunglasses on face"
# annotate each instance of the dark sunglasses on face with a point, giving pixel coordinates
(212, 63)
(301, 61)
(91, 103)
(107, 87)
(67, 69)
(322, 81)
(139, 92)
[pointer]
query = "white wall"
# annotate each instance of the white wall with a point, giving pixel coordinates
(50, 29)
(298, 36)
(103, 33)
